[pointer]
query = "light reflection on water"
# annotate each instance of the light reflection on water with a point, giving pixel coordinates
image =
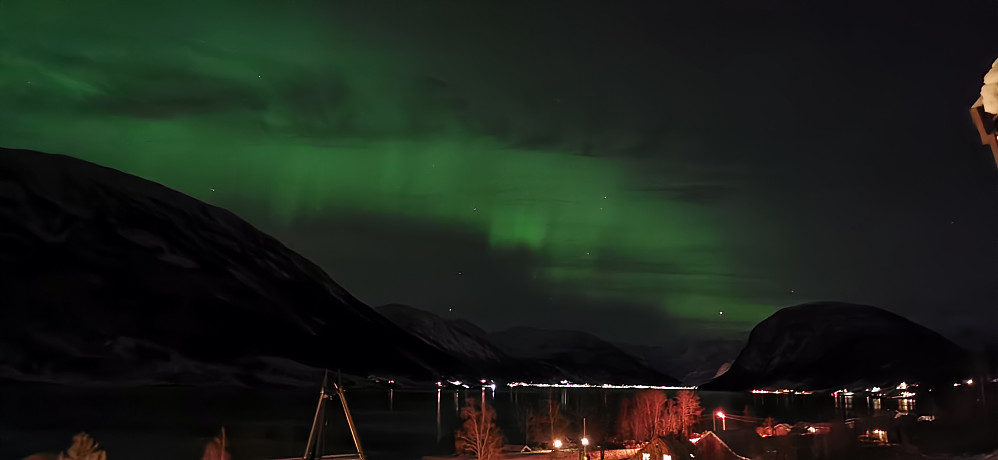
(390, 421)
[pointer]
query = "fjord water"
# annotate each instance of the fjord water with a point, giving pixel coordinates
(175, 423)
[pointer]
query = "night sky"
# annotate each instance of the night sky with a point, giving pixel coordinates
(627, 169)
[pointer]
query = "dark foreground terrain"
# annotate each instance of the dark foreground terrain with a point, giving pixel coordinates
(175, 423)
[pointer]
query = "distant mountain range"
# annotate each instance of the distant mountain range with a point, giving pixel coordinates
(109, 278)
(461, 339)
(692, 361)
(527, 354)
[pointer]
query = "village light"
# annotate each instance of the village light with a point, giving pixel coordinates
(724, 421)
(557, 443)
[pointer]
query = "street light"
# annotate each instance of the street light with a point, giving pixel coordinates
(724, 421)
(585, 441)
(557, 443)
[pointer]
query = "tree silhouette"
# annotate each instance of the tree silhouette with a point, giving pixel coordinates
(479, 435)
(215, 450)
(548, 423)
(84, 448)
(651, 413)
(645, 417)
(689, 409)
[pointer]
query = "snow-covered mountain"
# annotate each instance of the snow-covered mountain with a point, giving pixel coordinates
(834, 345)
(692, 361)
(109, 277)
(459, 338)
(577, 356)
(526, 353)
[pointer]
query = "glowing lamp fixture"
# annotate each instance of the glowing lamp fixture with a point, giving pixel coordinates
(557, 443)
(720, 414)
(585, 441)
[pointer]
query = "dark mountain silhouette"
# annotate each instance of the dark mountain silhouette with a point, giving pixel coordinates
(109, 277)
(692, 361)
(525, 353)
(577, 356)
(459, 338)
(830, 345)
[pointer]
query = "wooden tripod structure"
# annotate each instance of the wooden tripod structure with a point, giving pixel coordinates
(314, 446)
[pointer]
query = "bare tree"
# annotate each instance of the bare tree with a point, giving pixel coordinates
(689, 409)
(651, 413)
(672, 422)
(548, 423)
(84, 448)
(626, 424)
(216, 449)
(479, 435)
(645, 416)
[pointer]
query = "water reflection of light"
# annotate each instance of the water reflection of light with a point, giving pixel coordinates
(439, 431)
(567, 384)
(876, 403)
(906, 405)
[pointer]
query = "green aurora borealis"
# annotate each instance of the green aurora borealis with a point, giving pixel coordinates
(300, 118)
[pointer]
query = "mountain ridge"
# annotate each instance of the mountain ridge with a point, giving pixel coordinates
(94, 256)
(827, 345)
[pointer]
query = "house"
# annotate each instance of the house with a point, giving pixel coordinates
(712, 447)
(782, 429)
(665, 448)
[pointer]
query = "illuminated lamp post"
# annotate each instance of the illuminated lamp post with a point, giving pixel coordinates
(724, 421)
(585, 441)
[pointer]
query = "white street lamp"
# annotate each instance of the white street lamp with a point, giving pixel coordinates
(724, 421)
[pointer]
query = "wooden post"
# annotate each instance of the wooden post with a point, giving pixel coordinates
(314, 436)
(353, 428)
(987, 126)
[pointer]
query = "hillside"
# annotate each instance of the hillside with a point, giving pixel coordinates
(577, 356)
(830, 345)
(112, 278)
